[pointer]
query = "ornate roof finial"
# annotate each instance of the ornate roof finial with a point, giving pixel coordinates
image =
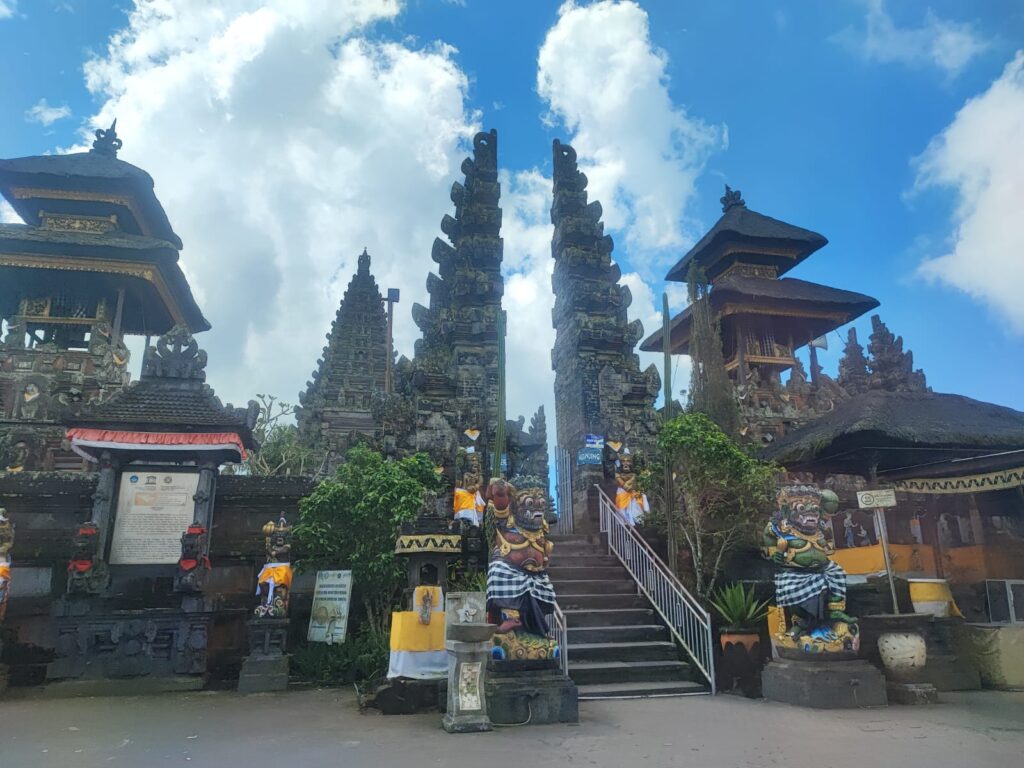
(107, 142)
(364, 262)
(731, 198)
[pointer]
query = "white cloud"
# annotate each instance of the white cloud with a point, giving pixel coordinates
(282, 140)
(947, 45)
(7, 8)
(605, 80)
(528, 301)
(7, 214)
(45, 114)
(979, 155)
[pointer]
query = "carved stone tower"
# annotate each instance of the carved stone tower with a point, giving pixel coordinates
(599, 387)
(455, 371)
(336, 407)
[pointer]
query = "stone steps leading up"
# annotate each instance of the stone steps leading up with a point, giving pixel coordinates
(617, 647)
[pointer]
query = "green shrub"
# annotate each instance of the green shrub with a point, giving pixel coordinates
(360, 659)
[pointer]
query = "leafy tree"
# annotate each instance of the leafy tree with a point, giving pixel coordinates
(351, 521)
(721, 492)
(710, 386)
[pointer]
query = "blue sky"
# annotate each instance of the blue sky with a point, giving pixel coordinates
(821, 113)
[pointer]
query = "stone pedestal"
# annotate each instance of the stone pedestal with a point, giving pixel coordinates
(266, 666)
(469, 646)
(534, 692)
(824, 684)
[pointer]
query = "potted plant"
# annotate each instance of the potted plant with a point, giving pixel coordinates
(742, 612)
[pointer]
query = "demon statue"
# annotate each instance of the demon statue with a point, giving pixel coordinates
(809, 586)
(275, 579)
(520, 597)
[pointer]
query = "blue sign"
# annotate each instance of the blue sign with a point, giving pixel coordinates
(588, 456)
(594, 441)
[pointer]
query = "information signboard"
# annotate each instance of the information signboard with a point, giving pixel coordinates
(328, 621)
(153, 510)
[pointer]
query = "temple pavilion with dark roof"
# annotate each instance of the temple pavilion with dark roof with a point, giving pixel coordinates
(95, 260)
(765, 317)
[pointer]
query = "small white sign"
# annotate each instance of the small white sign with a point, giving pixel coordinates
(883, 497)
(328, 621)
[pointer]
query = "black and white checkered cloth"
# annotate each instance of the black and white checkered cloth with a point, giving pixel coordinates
(506, 583)
(793, 586)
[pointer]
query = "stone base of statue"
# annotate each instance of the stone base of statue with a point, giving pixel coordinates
(4, 677)
(911, 693)
(468, 646)
(824, 684)
(266, 666)
(530, 692)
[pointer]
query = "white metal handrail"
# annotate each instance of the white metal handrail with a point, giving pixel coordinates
(562, 636)
(687, 619)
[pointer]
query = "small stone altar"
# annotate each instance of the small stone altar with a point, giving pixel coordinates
(468, 645)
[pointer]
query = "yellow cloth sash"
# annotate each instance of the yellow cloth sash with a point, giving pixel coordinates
(276, 574)
(467, 501)
(624, 497)
(407, 634)
(5, 572)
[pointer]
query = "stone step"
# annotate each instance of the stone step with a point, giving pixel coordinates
(639, 690)
(623, 634)
(560, 560)
(609, 617)
(598, 587)
(640, 651)
(593, 539)
(559, 573)
(586, 602)
(591, 672)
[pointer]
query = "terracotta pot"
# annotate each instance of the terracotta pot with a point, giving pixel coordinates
(747, 639)
(903, 654)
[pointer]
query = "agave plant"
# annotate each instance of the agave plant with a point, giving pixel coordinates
(739, 607)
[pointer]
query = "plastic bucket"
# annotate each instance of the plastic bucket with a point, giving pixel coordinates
(931, 596)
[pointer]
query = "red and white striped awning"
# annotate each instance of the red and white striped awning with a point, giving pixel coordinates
(88, 442)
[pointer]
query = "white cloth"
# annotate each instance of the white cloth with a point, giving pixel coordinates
(418, 665)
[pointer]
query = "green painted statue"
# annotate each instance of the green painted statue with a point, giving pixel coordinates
(809, 586)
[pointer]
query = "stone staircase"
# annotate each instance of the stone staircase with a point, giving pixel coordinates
(618, 645)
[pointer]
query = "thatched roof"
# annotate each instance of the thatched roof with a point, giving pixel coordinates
(899, 429)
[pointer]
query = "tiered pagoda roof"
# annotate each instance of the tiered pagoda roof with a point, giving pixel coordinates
(93, 224)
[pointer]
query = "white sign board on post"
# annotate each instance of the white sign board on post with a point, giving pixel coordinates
(328, 621)
(883, 497)
(153, 511)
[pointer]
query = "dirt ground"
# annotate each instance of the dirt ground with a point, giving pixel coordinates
(309, 729)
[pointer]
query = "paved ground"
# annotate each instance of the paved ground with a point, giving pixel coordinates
(324, 728)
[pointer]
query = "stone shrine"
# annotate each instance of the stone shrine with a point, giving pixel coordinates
(599, 387)
(336, 410)
(765, 317)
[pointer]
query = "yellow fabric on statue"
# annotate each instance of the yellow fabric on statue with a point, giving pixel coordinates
(278, 574)
(408, 634)
(465, 501)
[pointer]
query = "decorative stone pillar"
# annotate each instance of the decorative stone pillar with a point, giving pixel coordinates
(194, 564)
(266, 666)
(469, 646)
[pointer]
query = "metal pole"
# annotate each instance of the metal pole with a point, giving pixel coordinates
(392, 299)
(883, 536)
(670, 515)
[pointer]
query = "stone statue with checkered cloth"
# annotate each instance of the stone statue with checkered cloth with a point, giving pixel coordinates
(808, 583)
